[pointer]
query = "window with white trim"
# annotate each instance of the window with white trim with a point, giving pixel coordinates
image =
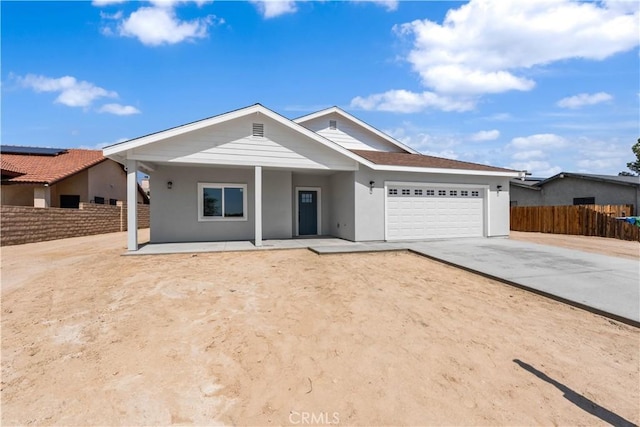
(442, 192)
(417, 192)
(222, 202)
(464, 193)
(406, 192)
(393, 191)
(475, 193)
(453, 192)
(431, 192)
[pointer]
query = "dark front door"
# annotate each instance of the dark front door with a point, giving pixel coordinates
(307, 213)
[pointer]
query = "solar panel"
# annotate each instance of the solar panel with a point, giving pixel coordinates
(33, 151)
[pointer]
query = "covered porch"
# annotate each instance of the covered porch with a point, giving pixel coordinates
(271, 206)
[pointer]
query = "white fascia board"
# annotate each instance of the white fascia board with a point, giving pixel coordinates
(357, 121)
(254, 109)
(265, 164)
(179, 130)
(388, 168)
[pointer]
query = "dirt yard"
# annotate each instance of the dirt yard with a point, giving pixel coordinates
(90, 337)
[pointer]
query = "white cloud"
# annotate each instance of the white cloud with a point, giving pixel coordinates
(488, 46)
(100, 3)
(603, 156)
(484, 45)
(597, 165)
(433, 145)
(155, 26)
(272, 8)
(537, 168)
(72, 93)
(583, 99)
(542, 140)
(403, 101)
(390, 5)
(485, 135)
(115, 16)
(118, 109)
(529, 155)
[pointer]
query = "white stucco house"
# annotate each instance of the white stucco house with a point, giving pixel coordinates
(252, 174)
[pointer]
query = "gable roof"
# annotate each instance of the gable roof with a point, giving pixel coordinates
(117, 151)
(424, 161)
(611, 179)
(48, 169)
(339, 111)
(409, 161)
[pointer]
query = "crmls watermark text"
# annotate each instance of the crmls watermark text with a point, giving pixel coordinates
(314, 418)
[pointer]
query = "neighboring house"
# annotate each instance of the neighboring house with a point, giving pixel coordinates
(568, 188)
(252, 174)
(61, 178)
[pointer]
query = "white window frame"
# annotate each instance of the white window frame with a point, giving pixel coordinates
(222, 186)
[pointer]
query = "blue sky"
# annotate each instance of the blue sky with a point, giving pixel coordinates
(545, 86)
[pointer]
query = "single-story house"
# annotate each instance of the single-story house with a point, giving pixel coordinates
(568, 188)
(252, 174)
(60, 178)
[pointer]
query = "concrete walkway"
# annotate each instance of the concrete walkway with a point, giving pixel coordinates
(245, 245)
(599, 283)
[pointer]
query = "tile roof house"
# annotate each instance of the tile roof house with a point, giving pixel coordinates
(569, 188)
(252, 174)
(53, 177)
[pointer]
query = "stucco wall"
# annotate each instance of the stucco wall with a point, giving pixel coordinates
(524, 196)
(77, 184)
(369, 205)
(277, 210)
(562, 192)
(17, 195)
(342, 201)
(174, 212)
(108, 180)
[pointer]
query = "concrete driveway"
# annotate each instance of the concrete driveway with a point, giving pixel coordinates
(606, 284)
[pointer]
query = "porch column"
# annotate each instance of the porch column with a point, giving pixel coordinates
(258, 206)
(132, 205)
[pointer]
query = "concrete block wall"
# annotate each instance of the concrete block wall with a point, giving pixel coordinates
(25, 224)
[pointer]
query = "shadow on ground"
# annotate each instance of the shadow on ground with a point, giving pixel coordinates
(577, 399)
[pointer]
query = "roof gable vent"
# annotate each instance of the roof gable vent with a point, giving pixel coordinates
(333, 125)
(257, 130)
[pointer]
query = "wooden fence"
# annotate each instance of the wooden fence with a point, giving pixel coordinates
(586, 220)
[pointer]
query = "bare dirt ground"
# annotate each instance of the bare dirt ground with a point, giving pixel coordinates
(598, 245)
(90, 337)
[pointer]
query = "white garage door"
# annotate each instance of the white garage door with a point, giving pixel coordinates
(423, 212)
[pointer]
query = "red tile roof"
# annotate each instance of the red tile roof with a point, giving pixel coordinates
(8, 168)
(49, 169)
(422, 161)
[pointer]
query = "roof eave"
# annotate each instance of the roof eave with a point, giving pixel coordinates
(562, 175)
(359, 122)
(391, 168)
